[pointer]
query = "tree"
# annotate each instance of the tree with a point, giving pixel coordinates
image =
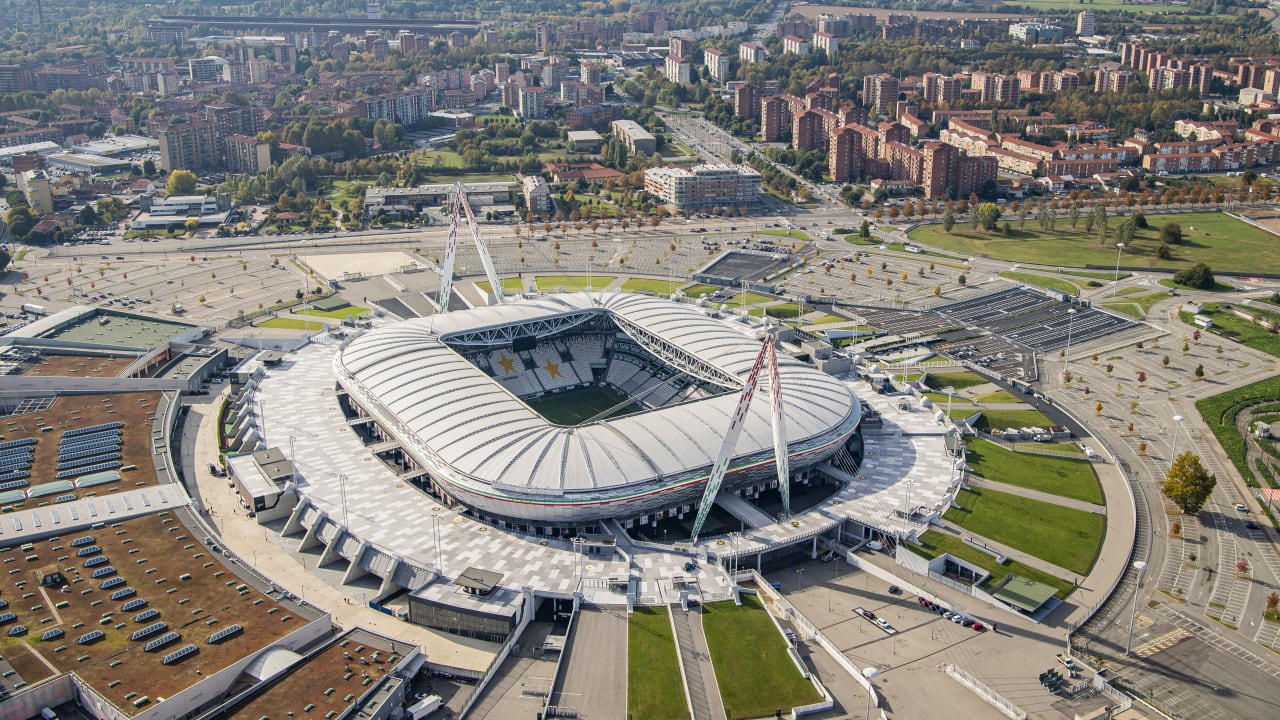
(180, 182)
(948, 221)
(1188, 484)
(864, 230)
(1171, 233)
(1165, 361)
(1199, 372)
(962, 280)
(149, 167)
(988, 215)
(1198, 276)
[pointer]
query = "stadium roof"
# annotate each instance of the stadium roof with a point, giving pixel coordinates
(458, 417)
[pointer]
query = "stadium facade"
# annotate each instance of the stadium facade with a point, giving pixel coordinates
(458, 394)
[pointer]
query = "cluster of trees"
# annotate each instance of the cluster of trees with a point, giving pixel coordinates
(323, 138)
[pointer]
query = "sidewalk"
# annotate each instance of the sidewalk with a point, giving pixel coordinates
(261, 549)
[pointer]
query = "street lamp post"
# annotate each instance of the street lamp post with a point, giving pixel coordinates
(1116, 287)
(1173, 447)
(870, 674)
(1066, 358)
(1139, 566)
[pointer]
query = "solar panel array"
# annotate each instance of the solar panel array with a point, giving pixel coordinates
(148, 630)
(91, 429)
(145, 615)
(88, 452)
(53, 634)
(178, 654)
(87, 551)
(82, 541)
(90, 636)
(224, 633)
(82, 439)
(96, 561)
(91, 469)
(161, 641)
(7, 617)
(13, 480)
(17, 630)
(23, 442)
(103, 572)
(71, 452)
(134, 605)
(123, 593)
(91, 460)
(113, 582)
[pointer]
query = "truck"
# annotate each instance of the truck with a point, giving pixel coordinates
(33, 309)
(178, 309)
(425, 707)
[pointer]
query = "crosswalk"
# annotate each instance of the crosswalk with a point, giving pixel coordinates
(1164, 642)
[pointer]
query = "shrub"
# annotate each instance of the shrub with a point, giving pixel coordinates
(1198, 276)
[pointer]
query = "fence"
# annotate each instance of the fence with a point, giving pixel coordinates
(1030, 449)
(991, 697)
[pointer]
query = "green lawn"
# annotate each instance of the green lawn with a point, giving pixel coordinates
(1139, 306)
(959, 379)
(934, 543)
(1126, 308)
(781, 232)
(577, 406)
(1218, 286)
(1063, 536)
(1044, 281)
(785, 311)
(657, 287)
(509, 286)
(1103, 276)
(295, 324)
(753, 670)
(1250, 334)
(1219, 413)
(1059, 476)
(695, 291)
(1012, 419)
(571, 283)
(337, 314)
(1219, 240)
(654, 686)
(1065, 447)
(999, 396)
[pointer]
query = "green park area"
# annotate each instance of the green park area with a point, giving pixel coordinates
(1228, 324)
(1043, 281)
(509, 286)
(337, 313)
(1218, 240)
(999, 396)
(959, 379)
(280, 323)
(572, 283)
(793, 234)
(934, 543)
(754, 671)
(1001, 419)
(652, 285)
(1137, 306)
(1219, 413)
(654, 687)
(1063, 536)
(1066, 477)
(695, 291)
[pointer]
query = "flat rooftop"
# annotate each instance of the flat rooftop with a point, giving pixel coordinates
(50, 365)
(136, 411)
(150, 554)
(1025, 593)
(121, 330)
(338, 666)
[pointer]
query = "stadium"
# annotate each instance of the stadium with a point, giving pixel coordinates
(560, 412)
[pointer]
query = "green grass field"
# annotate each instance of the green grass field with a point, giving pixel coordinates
(1064, 447)
(1219, 413)
(571, 283)
(654, 687)
(509, 286)
(934, 543)
(1059, 476)
(338, 314)
(959, 380)
(785, 311)
(1012, 419)
(753, 670)
(576, 406)
(1219, 240)
(695, 291)
(1218, 286)
(1043, 281)
(781, 232)
(999, 396)
(1063, 536)
(294, 324)
(657, 287)
(1143, 302)
(1250, 334)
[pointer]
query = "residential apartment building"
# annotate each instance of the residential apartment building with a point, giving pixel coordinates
(749, 52)
(792, 45)
(634, 137)
(537, 196)
(247, 154)
(704, 186)
(827, 43)
(746, 101)
(717, 63)
(531, 105)
(940, 88)
(677, 69)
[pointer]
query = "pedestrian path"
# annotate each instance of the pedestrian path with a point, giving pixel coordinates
(695, 662)
(1037, 495)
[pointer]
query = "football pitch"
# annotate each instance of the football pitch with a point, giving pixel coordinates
(576, 406)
